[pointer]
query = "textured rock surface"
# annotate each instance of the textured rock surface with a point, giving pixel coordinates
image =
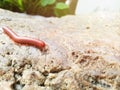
(83, 53)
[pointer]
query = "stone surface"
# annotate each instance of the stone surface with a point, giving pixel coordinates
(83, 52)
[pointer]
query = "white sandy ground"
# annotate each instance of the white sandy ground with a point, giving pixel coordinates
(83, 52)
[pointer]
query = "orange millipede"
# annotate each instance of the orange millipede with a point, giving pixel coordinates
(23, 40)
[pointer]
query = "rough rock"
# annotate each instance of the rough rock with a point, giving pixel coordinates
(83, 52)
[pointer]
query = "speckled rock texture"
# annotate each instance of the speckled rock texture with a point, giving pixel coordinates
(83, 52)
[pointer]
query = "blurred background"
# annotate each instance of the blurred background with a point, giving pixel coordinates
(90, 6)
(59, 8)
